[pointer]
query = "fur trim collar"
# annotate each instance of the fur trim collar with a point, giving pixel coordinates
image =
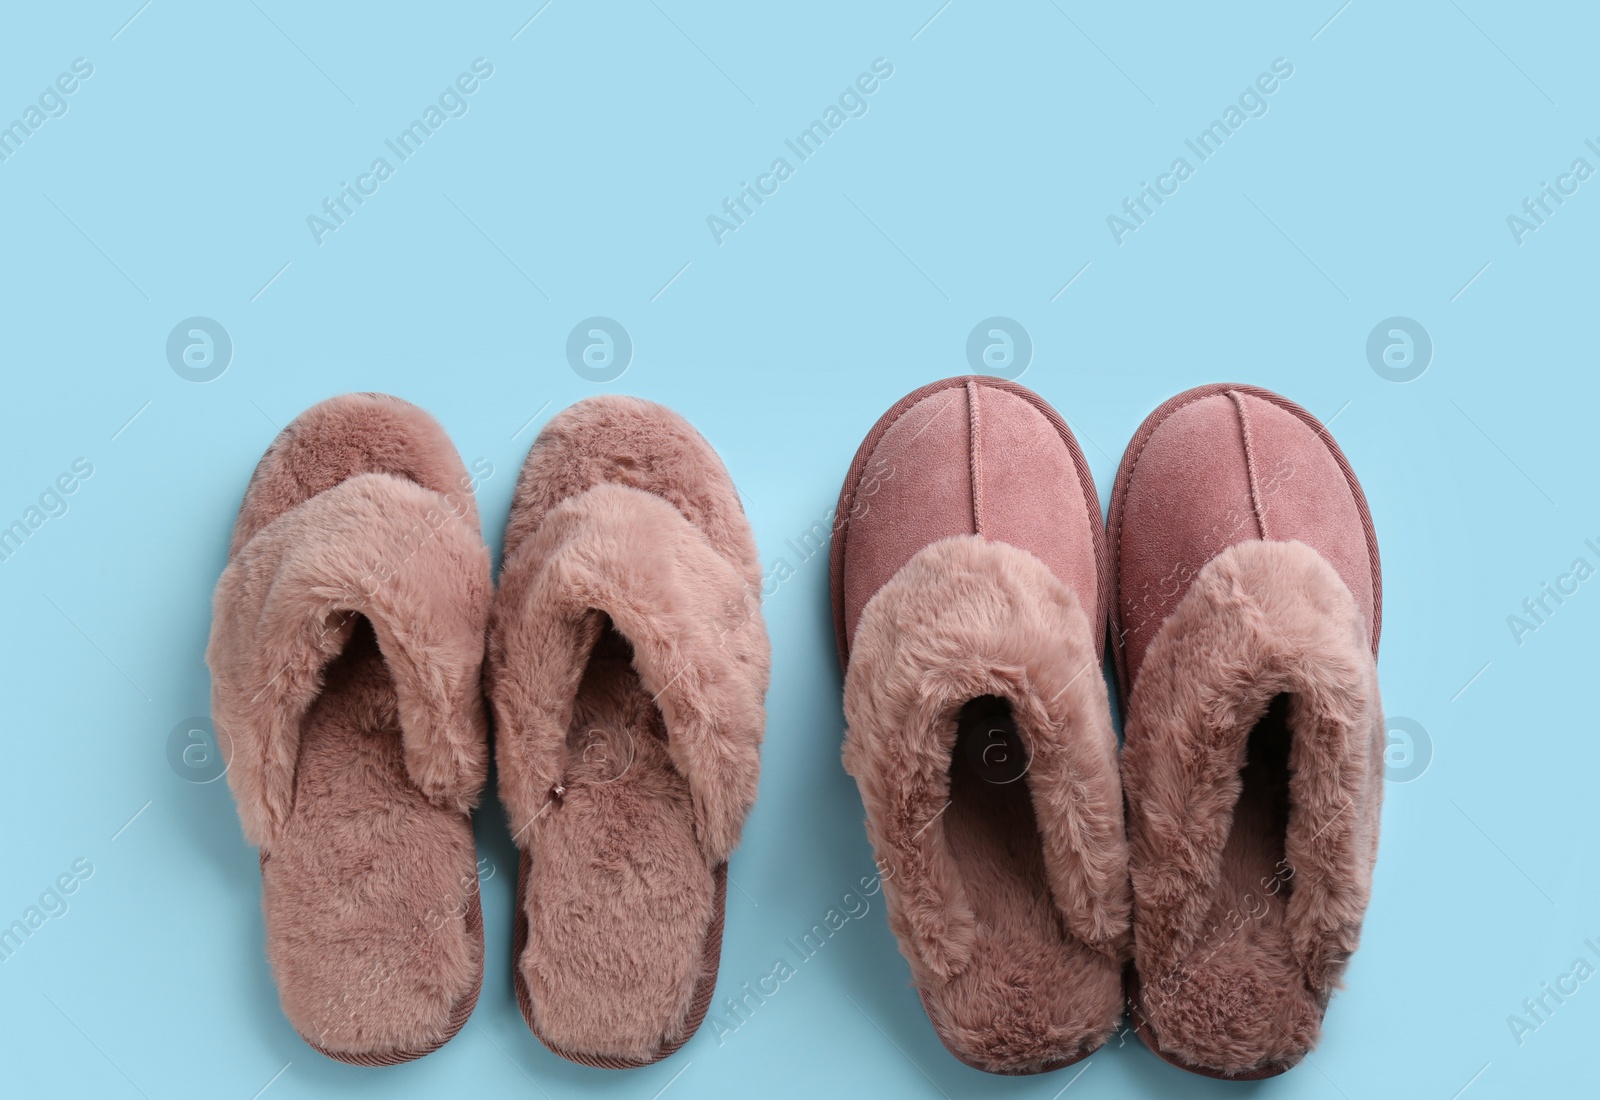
(374, 545)
(1262, 619)
(964, 618)
(699, 647)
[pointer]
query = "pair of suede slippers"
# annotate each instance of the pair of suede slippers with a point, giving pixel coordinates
(356, 638)
(1209, 880)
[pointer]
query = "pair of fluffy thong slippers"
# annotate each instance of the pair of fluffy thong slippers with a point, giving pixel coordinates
(356, 635)
(1211, 882)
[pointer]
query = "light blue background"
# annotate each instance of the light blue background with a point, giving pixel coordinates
(978, 184)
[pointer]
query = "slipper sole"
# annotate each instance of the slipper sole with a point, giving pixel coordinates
(699, 1004)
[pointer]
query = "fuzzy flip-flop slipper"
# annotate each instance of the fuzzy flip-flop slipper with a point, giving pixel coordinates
(346, 650)
(628, 667)
(1245, 630)
(969, 583)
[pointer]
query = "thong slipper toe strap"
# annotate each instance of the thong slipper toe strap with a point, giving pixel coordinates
(377, 546)
(699, 647)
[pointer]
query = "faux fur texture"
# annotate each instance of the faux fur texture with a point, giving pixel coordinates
(619, 440)
(1254, 775)
(372, 546)
(345, 653)
(1010, 902)
(628, 665)
(373, 922)
(697, 644)
(354, 433)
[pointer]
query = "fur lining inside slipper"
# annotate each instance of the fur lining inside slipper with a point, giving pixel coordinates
(1005, 878)
(1254, 775)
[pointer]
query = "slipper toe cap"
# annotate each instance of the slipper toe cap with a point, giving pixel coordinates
(966, 456)
(1221, 465)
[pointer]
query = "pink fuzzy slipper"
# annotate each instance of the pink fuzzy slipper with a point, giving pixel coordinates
(1245, 628)
(346, 649)
(628, 665)
(969, 597)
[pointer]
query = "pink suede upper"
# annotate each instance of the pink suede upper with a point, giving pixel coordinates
(1217, 466)
(969, 585)
(1245, 629)
(965, 456)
